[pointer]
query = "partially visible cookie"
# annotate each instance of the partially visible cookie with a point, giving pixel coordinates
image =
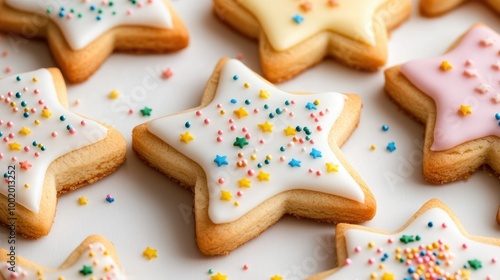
(95, 258)
(82, 34)
(252, 153)
(431, 245)
(433, 8)
(47, 150)
(457, 97)
(295, 35)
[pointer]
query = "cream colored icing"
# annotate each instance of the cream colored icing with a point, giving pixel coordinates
(351, 18)
(51, 133)
(214, 134)
(80, 31)
(102, 266)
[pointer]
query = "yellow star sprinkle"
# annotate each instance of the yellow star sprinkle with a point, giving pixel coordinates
(46, 113)
(150, 253)
(114, 94)
(225, 195)
(388, 276)
(15, 146)
(266, 127)
(263, 176)
(445, 66)
(218, 276)
(331, 167)
(241, 112)
(25, 131)
(276, 277)
(264, 94)
(289, 131)
(244, 183)
(187, 137)
(82, 200)
(465, 110)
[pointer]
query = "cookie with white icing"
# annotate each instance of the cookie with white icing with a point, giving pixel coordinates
(456, 96)
(432, 8)
(47, 150)
(295, 35)
(82, 34)
(432, 245)
(252, 153)
(94, 258)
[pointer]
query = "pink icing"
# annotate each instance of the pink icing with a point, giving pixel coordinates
(474, 80)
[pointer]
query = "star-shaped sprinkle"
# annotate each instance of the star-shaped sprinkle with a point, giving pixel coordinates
(432, 8)
(221, 160)
(264, 94)
(92, 259)
(332, 167)
(255, 157)
(240, 142)
(391, 146)
(311, 106)
(218, 276)
(83, 23)
(266, 127)
(186, 137)
(241, 112)
(146, 111)
(226, 195)
(289, 131)
(439, 250)
(86, 270)
(33, 140)
(25, 165)
(458, 114)
(315, 153)
(276, 277)
(83, 200)
(150, 253)
(263, 176)
(284, 26)
(244, 183)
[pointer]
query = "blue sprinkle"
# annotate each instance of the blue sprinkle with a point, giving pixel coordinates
(233, 101)
(62, 118)
(68, 127)
(298, 19)
(271, 115)
(1, 134)
(282, 148)
(259, 165)
(5, 175)
(43, 148)
(497, 116)
(298, 128)
(110, 199)
(92, 7)
(18, 78)
(26, 114)
(430, 224)
(266, 106)
(236, 77)
(187, 124)
(267, 161)
(391, 147)
(287, 103)
(411, 270)
(279, 111)
(385, 127)
(24, 103)
(18, 94)
(35, 143)
(61, 14)
(98, 18)
(247, 102)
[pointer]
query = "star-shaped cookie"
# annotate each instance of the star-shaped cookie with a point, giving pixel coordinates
(457, 97)
(82, 34)
(252, 153)
(47, 150)
(433, 8)
(432, 245)
(295, 35)
(94, 258)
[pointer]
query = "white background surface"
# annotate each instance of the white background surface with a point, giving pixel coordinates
(150, 210)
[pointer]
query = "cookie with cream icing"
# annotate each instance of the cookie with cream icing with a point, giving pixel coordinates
(47, 150)
(456, 96)
(433, 8)
(432, 245)
(82, 34)
(295, 35)
(252, 153)
(94, 258)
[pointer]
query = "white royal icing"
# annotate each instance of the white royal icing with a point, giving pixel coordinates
(453, 252)
(38, 95)
(205, 147)
(96, 259)
(83, 21)
(287, 22)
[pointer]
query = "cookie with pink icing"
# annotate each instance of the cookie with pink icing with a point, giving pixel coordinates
(432, 245)
(47, 150)
(457, 97)
(82, 34)
(252, 153)
(95, 258)
(433, 8)
(295, 35)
